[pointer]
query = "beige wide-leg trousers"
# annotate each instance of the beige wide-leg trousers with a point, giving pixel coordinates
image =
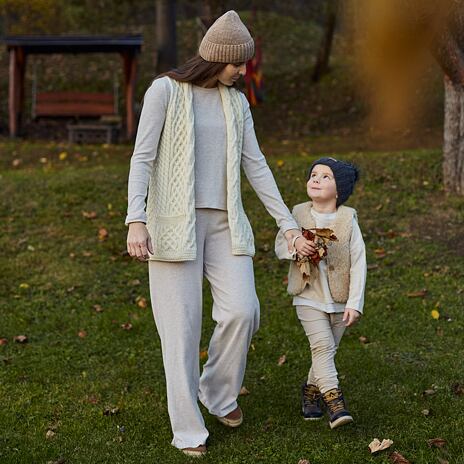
(324, 332)
(176, 296)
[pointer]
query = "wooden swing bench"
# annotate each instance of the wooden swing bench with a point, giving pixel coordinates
(78, 105)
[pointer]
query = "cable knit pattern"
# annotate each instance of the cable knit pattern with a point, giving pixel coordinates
(171, 193)
(240, 228)
(338, 257)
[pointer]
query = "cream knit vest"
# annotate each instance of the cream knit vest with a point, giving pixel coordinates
(338, 260)
(171, 192)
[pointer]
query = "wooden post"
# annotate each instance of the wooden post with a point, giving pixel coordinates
(130, 68)
(17, 69)
(166, 35)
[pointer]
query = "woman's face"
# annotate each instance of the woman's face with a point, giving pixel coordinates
(231, 73)
(321, 184)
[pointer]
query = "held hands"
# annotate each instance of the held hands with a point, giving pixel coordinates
(351, 317)
(296, 241)
(139, 241)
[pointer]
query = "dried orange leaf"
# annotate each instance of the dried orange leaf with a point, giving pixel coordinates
(429, 392)
(110, 411)
(244, 391)
(418, 294)
(82, 334)
(458, 389)
(376, 445)
(98, 308)
(141, 302)
(3, 341)
(102, 234)
(203, 355)
(89, 214)
(397, 458)
(436, 442)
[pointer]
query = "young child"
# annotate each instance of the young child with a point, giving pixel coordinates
(331, 298)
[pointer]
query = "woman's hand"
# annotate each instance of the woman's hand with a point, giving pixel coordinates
(139, 241)
(296, 241)
(351, 317)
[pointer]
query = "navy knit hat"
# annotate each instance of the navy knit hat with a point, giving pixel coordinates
(345, 174)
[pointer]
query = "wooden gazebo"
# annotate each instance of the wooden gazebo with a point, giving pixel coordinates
(20, 47)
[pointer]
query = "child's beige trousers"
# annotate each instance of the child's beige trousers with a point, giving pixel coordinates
(324, 331)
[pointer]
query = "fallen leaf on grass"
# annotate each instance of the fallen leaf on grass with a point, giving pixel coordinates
(418, 294)
(371, 267)
(126, 326)
(102, 234)
(303, 461)
(436, 442)
(457, 388)
(364, 340)
(3, 341)
(141, 302)
(280, 163)
(429, 392)
(244, 391)
(397, 458)
(203, 355)
(89, 214)
(134, 283)
(16, 162)
(87, 254)
(82, 334)
(282, 360)
(110, 411)
(376, 445)
(23, 286)
(50, 434)
(62, 156)
(98, 308)
(20, 339)
(426, 412)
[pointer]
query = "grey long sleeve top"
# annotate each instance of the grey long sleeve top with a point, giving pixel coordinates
(210, 155)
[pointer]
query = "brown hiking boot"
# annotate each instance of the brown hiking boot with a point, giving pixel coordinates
(338, 414)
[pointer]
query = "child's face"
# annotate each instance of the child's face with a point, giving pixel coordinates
(321, 184)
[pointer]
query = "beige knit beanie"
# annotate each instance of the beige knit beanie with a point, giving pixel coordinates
(227, 41)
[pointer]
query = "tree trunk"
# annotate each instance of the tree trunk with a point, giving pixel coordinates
(323, 57)
(453, 148)
(166, 35)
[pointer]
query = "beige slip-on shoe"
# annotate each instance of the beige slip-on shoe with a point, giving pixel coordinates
(197, 452)
(233, 419)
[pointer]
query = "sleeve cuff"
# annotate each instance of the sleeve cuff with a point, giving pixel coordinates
(134, 218)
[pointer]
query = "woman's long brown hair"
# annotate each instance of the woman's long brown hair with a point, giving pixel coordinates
(196, 70)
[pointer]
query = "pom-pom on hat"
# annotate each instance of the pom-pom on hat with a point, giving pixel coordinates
(345, 174)
(227, 41)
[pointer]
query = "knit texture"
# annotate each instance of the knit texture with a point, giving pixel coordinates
(171, 193)
(227, 41)
(345, 174)
(338, 257)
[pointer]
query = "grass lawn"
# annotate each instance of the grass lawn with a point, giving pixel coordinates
(79, 362)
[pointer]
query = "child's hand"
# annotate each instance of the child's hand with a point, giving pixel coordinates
(351, 317)
(305, 247)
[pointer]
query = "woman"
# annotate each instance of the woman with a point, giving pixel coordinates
(194, 134)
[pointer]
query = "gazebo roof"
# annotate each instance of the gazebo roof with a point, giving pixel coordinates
(75, 43)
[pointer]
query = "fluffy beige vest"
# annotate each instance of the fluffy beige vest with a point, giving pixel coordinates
(171, 194)
(338, 257)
